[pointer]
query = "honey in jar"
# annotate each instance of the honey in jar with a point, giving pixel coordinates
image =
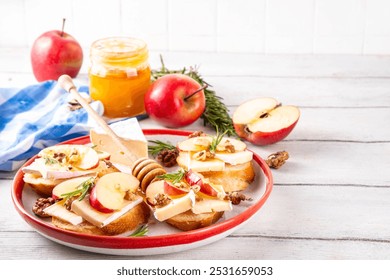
(119, 75)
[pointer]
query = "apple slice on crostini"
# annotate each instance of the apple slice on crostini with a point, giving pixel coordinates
(110, 191)
(69, 186)
(79, 156)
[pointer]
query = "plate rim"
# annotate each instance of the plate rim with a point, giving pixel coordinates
(144, 242)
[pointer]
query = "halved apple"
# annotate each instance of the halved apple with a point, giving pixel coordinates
(68, 186)
(263, 121)
(110, 190)
(79, 156)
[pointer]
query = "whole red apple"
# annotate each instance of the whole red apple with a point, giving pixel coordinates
(175, 100)
(55, 53)
(263, 121)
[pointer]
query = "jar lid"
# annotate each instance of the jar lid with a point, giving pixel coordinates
(119, 50)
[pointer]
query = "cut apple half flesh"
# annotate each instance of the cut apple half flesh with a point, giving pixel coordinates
(111, 189)
(279, 118)
(254, 109)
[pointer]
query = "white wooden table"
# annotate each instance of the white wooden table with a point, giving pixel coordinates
(331, 200)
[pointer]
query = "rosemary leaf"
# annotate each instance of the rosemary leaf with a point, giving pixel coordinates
(81, 190)
(173, 177)
(51, 161)
(215, 141)
(140, 231)
(159, 146)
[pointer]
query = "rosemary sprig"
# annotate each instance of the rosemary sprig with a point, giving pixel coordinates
(159, 146)
(215, 141)
(140, 231)
(216, 113)
(175, 177)
(51, 161)
(81, 190)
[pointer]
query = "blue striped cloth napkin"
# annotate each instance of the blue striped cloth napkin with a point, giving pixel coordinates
(36, 117)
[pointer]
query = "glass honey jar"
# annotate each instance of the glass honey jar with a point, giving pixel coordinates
(119, 75)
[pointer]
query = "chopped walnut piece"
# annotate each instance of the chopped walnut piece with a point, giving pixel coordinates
(60, 157)
(276, 160)
(237, 197)
(160, 200)
(203, 155)
(197, 134)
(226, 147)
(40, 204)
(168, 157)
(131, 196)
(69, 201)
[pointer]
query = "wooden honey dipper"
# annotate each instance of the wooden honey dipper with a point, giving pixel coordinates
(144, 169)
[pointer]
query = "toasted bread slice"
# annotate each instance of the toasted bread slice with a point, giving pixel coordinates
(234, 178)
(40, 185)
(189, 221)
(129, 221)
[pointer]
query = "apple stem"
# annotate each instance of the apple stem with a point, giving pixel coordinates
(63, 26)
(195, 92)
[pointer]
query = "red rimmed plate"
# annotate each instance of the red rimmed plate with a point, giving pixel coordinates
(162, 238)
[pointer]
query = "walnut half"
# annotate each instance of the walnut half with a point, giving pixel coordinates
(276, 160)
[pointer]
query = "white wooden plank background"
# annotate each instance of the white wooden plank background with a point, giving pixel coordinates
(330, 200)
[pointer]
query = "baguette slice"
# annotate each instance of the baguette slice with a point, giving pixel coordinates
(189, 221)
(129, 221)
(40, 185)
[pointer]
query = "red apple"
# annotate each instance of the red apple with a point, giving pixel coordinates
(55, 53)
(95, 203)
(173, 191)
(263, 121)
(193, 178)
(110, 190)
(175, 100)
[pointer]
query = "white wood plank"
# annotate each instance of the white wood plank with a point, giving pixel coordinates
(325, 124)
(17, 246)
(303, 92)
(17, 60)
(295, 212)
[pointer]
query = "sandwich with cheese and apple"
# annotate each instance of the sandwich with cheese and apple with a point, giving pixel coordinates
(57, 164)
(107, 205)
(222, 160)
(186, 200)
(90, 194)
